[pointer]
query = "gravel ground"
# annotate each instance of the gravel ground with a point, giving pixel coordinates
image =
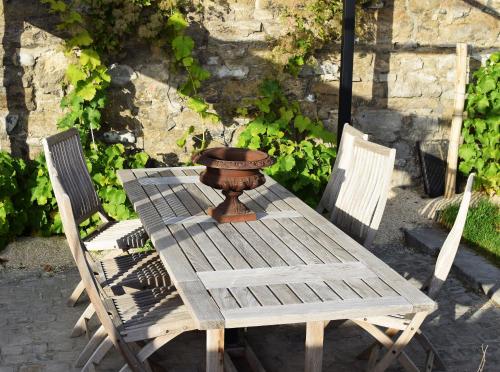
(36, 252)
(401, 211)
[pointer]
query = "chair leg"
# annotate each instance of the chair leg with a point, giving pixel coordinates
(429, 361)
(91, 346)
(76, 294)
(367, 353)
(97, 356)
(387, 342)
(397, 347)
(81, 324)
(429, 348)
(151, 347)
(372, 359)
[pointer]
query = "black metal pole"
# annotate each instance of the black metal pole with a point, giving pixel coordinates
(346, 62)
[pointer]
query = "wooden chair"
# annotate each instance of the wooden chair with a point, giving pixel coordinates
(357, 194)
(401, 323)
(66, 165)
(64, 155)
(156, 315)
(337, 176)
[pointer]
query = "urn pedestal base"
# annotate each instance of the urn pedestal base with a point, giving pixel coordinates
(231, 209)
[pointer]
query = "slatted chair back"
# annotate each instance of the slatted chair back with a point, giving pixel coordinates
(65, 154)
(339, 170)
(362, 196)
(82, 260)
(450, 246)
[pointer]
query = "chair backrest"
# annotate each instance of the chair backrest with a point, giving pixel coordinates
(361, 199)
(338, 174)
(81, 256)
(450, 246)
(64, 153)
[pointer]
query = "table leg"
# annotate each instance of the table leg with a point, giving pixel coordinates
(314, 346)
(215, 350)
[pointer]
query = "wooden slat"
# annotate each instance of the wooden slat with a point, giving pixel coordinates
(284, 275)
(419, 300)
(208, 237)
(255, 245)
(303, 227)
(183, 220)
(172, 180)
(202, 307)
(285, 294)
(329, 310)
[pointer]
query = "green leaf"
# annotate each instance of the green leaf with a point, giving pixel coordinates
(467, 152)
(177, 21)
(287, 163)
(182, 46)
(197, 104)
(487, 84)
(483, 104)
(74, 74)
(187, 61)
(302, 123)
(81, 40)
(87, 92)
(90, 57)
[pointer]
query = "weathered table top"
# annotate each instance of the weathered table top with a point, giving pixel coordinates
(290, 266)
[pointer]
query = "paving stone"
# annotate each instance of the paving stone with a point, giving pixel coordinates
(464, 321)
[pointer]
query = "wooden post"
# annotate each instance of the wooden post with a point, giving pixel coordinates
(456, 121)
(215, 350)
(314, 346)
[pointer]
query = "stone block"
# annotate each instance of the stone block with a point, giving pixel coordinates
(404, 89)
(383, 124)
(474, 269)
(121, 75)
(236, 72)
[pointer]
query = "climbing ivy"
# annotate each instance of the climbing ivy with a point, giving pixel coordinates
(301, 146)
(480, 151)
(313, 24)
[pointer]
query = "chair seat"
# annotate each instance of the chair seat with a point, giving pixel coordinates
(134, 271)
(151, 313)
(117, 235)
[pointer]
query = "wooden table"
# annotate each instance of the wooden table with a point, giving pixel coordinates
(290, 266)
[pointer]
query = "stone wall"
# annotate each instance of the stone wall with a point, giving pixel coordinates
(402, 86)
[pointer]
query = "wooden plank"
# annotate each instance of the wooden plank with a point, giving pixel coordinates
(303, 227)
(343, 289)
(284, 293)
(328, 310)
(224, 298)
(361, 288)
(207, 219)
(420, 301)
(284, 275)
(172, 180)
(295, 229)
(456, 121)
(314, 346)
(219, 250)
(201, 306)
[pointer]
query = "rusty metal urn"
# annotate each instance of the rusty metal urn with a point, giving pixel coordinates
(232, 170)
